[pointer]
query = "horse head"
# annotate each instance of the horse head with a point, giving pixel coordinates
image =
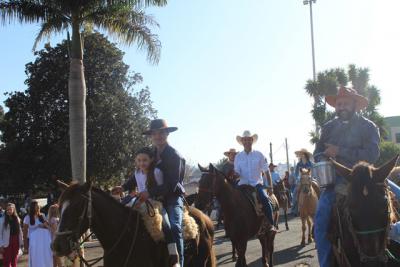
(74, 205)
(368, 209)
(305, 181)
(208, 186)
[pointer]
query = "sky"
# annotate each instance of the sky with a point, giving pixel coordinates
(234, 65)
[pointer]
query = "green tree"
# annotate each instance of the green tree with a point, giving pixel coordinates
(328, 82)
(123, 19)
(388, 150)
(35, 127)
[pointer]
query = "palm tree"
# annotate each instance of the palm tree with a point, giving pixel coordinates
(124, 20)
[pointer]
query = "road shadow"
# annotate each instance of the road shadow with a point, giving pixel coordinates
(287, 256)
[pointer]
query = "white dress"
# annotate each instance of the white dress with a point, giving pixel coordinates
(40, 254)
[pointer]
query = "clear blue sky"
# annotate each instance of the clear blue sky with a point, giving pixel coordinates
(231, 65)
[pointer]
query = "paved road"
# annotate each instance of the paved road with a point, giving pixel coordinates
(288, 251)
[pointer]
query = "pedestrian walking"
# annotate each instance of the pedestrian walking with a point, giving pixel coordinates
(11, 238)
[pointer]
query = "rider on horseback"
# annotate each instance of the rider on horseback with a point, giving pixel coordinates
(349, 138)
(250, 166)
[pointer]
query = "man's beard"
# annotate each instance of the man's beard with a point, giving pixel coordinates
(345, 115)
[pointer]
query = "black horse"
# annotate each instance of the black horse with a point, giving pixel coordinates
(121, 231)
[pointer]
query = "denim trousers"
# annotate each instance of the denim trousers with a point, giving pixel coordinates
(265, 202)
(174, 208)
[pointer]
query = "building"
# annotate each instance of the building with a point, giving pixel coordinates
(393, 129)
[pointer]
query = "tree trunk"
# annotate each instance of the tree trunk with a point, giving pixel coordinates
(77, 107)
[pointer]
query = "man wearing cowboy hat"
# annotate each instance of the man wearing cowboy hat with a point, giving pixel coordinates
(348, 138)
(274, 175)
(250, 166)
(228, 168)
(172, 166)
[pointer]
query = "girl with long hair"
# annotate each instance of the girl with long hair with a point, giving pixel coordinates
(148, 176)
(36, 230)
(11, 238)
(54, 217)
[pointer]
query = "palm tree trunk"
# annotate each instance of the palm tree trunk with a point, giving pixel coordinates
(77, 107)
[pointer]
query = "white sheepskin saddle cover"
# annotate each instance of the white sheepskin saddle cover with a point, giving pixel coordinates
(153, 221)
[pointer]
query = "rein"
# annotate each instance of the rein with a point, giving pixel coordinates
(383, 255)
(88, 210)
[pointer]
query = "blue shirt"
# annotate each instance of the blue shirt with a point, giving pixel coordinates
(275, 177)
(358, 140)
(300, 165)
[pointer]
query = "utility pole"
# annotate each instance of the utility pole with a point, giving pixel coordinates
(287, 155)
(270, 153)
(316, 98)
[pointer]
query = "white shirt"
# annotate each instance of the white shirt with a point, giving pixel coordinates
(141, 179)
(250, 166)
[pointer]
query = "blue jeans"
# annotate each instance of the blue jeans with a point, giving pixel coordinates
(166, 227)
(322, 220)
(174, 208)
(265, 202)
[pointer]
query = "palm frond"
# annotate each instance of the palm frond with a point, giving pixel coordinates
(52, 25)
(129, 26)
(25, 11)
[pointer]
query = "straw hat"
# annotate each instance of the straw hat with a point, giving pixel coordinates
(303, 151)
(159, 124)
(361, 101)
(232, 150)
(246, 134)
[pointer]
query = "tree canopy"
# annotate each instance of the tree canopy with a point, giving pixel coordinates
(35, 127)
(327, 83)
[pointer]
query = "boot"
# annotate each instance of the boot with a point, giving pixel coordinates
(173, 255)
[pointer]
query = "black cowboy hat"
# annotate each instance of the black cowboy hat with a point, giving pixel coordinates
(159, 124)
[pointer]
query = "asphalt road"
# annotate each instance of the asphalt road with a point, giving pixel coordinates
(288, 251)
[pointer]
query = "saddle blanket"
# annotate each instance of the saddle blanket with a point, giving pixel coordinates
(151, 213)
(252, 196)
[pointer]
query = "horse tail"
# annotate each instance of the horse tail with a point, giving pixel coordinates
(206, 230)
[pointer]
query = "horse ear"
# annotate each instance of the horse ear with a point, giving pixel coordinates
(63, 186)
(380, 174)
(211, 168)
(342, 170)
(202, 169)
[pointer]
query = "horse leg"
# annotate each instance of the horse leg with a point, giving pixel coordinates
(286, 223)
(241, 250)
(233, 252)
(303, 230)
(310, 229)
(270, 246)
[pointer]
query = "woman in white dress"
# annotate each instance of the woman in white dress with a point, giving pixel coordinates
(37, 234)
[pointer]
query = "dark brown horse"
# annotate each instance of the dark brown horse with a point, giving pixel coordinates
(121, 231)
(240, 218)
(280, 192)
(362, 218)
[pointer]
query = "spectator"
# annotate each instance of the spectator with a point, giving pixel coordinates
(10, 236)
(54, 218)
(39, 236)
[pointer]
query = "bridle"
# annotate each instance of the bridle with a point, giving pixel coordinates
(382, 255)
(210, 191)
(75, 233)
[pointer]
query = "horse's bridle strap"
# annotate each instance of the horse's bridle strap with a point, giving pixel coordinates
(370, 231)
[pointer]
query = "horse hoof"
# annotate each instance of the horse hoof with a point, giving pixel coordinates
(287, 228)
(233, 259)
(303, 243)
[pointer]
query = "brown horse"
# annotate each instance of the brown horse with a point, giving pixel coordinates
(362, 218)
(240, 218)
(280, 192)
(121, 231)
(308, 200)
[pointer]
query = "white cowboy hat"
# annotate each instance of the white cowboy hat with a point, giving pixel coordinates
(246, 134)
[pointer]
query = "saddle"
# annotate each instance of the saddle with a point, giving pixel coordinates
(251, 194)
(151, 213)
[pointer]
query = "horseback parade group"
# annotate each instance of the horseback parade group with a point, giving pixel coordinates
(349, 206)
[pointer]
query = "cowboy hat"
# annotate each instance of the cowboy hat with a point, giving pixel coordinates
(272, 165)
(246, 134)
(361, 101)
(159, 124)
(232, 150)
(303, 151)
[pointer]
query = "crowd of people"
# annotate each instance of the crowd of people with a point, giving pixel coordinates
(30, 235)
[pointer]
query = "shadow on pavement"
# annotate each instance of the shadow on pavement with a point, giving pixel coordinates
(286, 256)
